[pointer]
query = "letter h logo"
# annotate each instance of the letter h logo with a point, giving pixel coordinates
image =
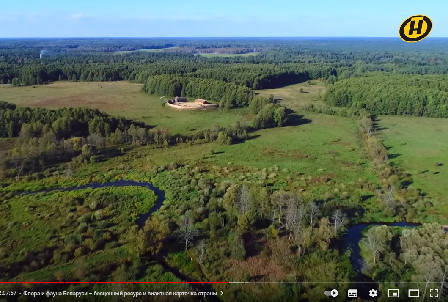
(415, 28)
(418, 29)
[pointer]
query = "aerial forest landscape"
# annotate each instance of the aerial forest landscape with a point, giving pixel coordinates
(320, 163)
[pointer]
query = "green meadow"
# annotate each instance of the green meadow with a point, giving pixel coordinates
(419, 146)
(120, 98)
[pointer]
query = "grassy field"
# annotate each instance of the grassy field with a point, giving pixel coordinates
(417, 144)
(322, 145)
(301, 156)
(119, 98)
(327, 145)
(291, 97)
(211, 55)
(145, 50)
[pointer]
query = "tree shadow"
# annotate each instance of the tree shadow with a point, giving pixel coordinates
(406, 183)
(437, 172)
(111, 152)
(252, 244)
(218, 152)
(366, 197)
(197, 286)
(242, 141)
(351, 212)
(257, 278)
(16, 268)
(392, 156)
(376, 125)
(254, 136)
(297, 120)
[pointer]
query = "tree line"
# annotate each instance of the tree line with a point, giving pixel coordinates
(416, 257)
(228, 94)
(65, 122)
(280, 62)
(82, 135)
(392, 94)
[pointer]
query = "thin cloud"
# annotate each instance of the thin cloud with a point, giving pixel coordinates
(76, 16)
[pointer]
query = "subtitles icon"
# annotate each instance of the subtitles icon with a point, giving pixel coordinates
(352, 293)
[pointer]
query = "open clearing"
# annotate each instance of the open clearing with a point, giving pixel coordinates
(120, 98)
(211, 55)
(417, 144)
(291, 97)
(146, 50)
(316, 144)
(327, 145)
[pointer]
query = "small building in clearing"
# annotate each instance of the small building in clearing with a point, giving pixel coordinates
(184, 104)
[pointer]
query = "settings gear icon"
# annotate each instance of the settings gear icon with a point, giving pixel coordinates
(373, 293)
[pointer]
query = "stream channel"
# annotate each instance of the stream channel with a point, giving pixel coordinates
(350, 240)
(198, 287)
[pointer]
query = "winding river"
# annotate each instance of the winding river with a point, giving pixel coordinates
(350, 240)
(119, 183)
(141, 222)
(353, 237)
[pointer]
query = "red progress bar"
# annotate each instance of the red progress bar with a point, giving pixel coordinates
(68, 282)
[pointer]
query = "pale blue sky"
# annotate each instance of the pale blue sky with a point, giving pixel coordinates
(208, 18)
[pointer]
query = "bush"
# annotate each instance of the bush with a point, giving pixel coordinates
(237, 249)
(94, 159)
(82, 227)
(78, 252)
(72, 239)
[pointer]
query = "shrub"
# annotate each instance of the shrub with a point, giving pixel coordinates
(78, 252)
(82, 227)
(94, 159)
(237, 249)
(72, 239)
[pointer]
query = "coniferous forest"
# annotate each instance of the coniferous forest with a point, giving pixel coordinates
(292, 182)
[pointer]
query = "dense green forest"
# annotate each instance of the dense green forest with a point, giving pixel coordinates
(280, 61)
(392, 94)
(201, 88)
(219, 221)
(65, 123)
